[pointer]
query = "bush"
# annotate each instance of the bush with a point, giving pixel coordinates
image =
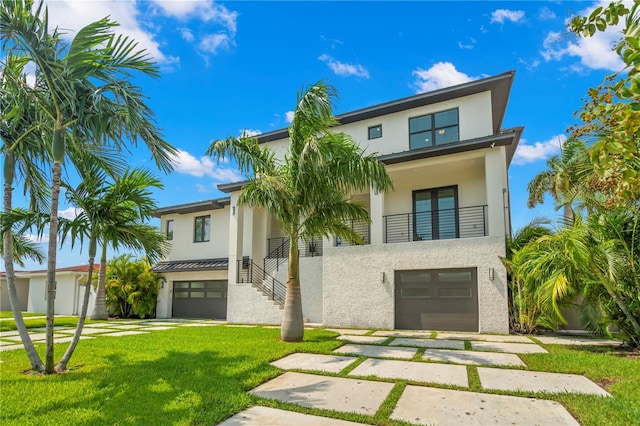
(132, 289)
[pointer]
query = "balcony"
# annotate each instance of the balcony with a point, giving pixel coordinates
(465, 222)
(363, 229)
(278, 247)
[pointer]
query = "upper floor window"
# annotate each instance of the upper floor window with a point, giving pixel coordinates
(170, 229)
(201, 229)
(434, 129)
(375, 132)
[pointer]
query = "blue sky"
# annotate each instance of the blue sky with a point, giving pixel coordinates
(234, 66)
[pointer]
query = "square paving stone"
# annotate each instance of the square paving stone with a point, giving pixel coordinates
(428, 343)
(96, 330)
(399, 333)
(578, 341)
(261, 416)
(363, 339)
(9, 333)
(472, 357)
(425, 405)
(10, 347)
(125, 333)
(410, 370)
(99, 324)
(67, 338)
(317, 362)
(155, 328)
(514, 348)
(126, 327)
(7, 342)
(160, 323)
(377, 351)
(537, 381)
(348, 331)
(329, 393)
(34, 336)
(485, 337)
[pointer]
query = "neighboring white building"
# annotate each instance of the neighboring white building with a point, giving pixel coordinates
(431, 258)
(31, 289)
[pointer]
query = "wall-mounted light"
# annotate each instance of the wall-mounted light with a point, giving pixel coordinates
(382, 277)
(491, 273)
(233, 210)
(162, 282)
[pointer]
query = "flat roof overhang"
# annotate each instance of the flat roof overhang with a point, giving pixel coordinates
(198, 206)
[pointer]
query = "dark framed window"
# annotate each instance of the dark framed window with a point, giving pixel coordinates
(439, 128)
(375, 132)
(201, 231)
(435, 213)
(169, 230)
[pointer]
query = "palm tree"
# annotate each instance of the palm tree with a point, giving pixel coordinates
(83, 90)
(308, 191)
(110, 213)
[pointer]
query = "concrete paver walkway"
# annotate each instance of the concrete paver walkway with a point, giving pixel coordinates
(362, 339)
(444, 374)
(505, 338)
(576, 340)
(330, 393)
(301, 361)
(377, 351)
(263, 416)
(428, 343)
(424, 405)
(514, 348)
(472, 357)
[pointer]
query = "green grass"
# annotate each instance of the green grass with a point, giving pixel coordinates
(8, 325)
(9, 314)
(201, 375)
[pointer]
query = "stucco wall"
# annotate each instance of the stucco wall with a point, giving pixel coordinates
(165, 293)
(22, 290)
(246, 304)
(355, 297)
(310, 287)
(67, 294)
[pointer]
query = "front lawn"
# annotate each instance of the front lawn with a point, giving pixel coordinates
(188, 375)
(9, 314)
(71, 321)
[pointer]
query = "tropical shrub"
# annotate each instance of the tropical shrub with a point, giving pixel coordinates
(132, 289)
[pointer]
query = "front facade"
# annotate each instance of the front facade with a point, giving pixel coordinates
(431, 253)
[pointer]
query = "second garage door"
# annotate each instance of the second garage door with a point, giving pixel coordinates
(200, 299)
(437, 299)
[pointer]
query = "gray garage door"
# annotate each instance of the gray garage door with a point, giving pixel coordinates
(437, 299)
(200, 299)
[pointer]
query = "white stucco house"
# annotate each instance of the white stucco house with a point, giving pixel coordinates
(431, 253)
(31, 290)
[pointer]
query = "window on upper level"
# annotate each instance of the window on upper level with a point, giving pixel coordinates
(201, 229)
(169, 230)
(434, 129)
(375, 132)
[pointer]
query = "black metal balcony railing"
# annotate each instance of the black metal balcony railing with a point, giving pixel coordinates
(278, 247)
(465, 222)
(363, 229)
(249, 272)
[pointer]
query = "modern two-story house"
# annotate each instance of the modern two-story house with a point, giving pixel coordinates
(431, 253)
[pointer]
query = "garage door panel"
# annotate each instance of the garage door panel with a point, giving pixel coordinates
(437, 300)
(200, 299)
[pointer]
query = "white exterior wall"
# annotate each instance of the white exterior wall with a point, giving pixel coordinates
(310, 287)
(184, 248)
(247, 304)
(67, 293)
(22, 290)
(355, 297)
(165, 292)
(474, 118)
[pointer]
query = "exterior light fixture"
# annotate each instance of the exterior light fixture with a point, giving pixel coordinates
(233, 210)
(382, 277)
(491, 274)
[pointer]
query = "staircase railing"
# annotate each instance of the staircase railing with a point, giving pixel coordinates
(276, 257)
(249, 272)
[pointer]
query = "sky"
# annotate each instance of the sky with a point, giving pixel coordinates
(229, 67)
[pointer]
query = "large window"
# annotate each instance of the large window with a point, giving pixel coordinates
(170, 230)
(201, 229)
(434, 129)
(435, 213)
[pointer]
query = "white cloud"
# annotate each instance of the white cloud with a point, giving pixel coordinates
(69, 213)
(204, 10)
(442, 74)
(501, 15)
(546, 14)
(250, 132)
(186, 34)
(527, 153)
(288, 116)
(187, 164)
(37, 239)
(72, 15)
(342, 69)
(594, 52)
(201, 188)
(213, 42)
(469, 46)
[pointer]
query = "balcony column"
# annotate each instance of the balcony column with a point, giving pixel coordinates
(494, 166)
(236, 225)
(376, 204)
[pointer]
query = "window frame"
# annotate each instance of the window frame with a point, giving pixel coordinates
(169, 229)
(433, 129)
(374, 127)
(202, 228)
(435, 212)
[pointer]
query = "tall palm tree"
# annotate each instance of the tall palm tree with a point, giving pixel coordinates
(308, 191)
(84, 90)
(110, 213)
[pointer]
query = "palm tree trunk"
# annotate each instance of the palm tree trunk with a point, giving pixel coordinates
(100, 305)
(51, 264)
(62, 365)
(292, 321)
(34, 358)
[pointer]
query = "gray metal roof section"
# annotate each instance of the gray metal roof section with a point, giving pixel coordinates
(198, 206)
(232, 187)
(499, 85)
(192, 265)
